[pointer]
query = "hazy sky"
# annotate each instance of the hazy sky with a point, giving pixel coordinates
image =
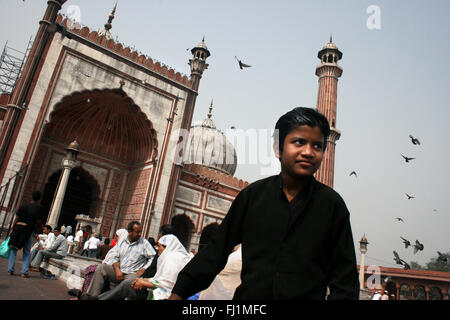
(395, 83)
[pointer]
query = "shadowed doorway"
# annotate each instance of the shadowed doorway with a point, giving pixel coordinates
(81, 196)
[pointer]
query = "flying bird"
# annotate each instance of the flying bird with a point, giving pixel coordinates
(353, 173)
(241, 64)
(441, 257)
(399, 219)
(397, 258)
(406, 242)
(407, 159)
(409, 197)
(400, 261)
(414, 140)
(418, 246)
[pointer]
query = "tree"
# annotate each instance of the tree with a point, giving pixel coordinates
(435, 264)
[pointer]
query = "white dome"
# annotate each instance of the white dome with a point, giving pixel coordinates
(209, 147)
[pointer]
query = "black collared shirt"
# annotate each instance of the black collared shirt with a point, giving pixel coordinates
(287, 252)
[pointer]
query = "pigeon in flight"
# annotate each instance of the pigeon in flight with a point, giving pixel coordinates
(407, 159)
(399, 219)
(397, 258)
(409, 197)
(400, 261)
(406, 242)
(441, 257)
(414, 140)
(241, 64)
(353, 173)
(418, 246)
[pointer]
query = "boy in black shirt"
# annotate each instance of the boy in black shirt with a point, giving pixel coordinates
(295, 231)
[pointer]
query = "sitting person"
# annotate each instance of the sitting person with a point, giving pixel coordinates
(120, 235)
(172, 258)
(127, 260)
(57, 250)
(226, 282)
(103, 249)
(44, 241)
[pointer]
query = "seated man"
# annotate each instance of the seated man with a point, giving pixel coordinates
(130, 258)
(57, 250)
(45, 241)
(172, 258)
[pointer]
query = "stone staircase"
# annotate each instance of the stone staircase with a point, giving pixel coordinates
(70, 269)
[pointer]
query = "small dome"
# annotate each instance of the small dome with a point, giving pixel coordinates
(330, 45)
(74, 145)
(201, 46)
(209, 147)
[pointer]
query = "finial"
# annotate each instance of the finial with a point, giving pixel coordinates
(210, 109)
(331, 38)
(108, 25)
(203, 40)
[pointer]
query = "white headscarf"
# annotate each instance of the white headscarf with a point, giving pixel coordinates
(122, 234)
(170, 262)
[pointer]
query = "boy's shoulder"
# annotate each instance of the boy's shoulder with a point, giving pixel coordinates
(326, 191)
(262, 183)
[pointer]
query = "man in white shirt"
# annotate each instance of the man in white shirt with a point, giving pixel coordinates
(45, 241)
(57, 250)
(70, 241)
(92, 246)
(79, 241)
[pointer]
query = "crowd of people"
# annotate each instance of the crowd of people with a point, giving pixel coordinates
(140, 268)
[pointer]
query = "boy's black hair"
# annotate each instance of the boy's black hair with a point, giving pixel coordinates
(297, 117)
(49, 227)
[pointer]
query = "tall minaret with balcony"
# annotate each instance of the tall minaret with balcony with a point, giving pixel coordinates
(328, 72)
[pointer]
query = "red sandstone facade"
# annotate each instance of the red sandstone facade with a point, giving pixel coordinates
(413, 284)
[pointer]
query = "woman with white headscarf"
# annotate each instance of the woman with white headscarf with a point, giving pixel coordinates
(172, 258)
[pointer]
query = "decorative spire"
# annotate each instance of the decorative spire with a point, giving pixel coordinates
(331, 38)
(108, 25)
(210, 109)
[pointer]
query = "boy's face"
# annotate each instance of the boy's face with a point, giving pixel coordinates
(303, 151)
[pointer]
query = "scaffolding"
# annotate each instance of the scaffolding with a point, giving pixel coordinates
(11, 64)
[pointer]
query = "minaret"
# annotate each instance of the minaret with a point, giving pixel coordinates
(21, 95)
(108, 25)
(198, 65)
(363, 249)
(328, 72)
